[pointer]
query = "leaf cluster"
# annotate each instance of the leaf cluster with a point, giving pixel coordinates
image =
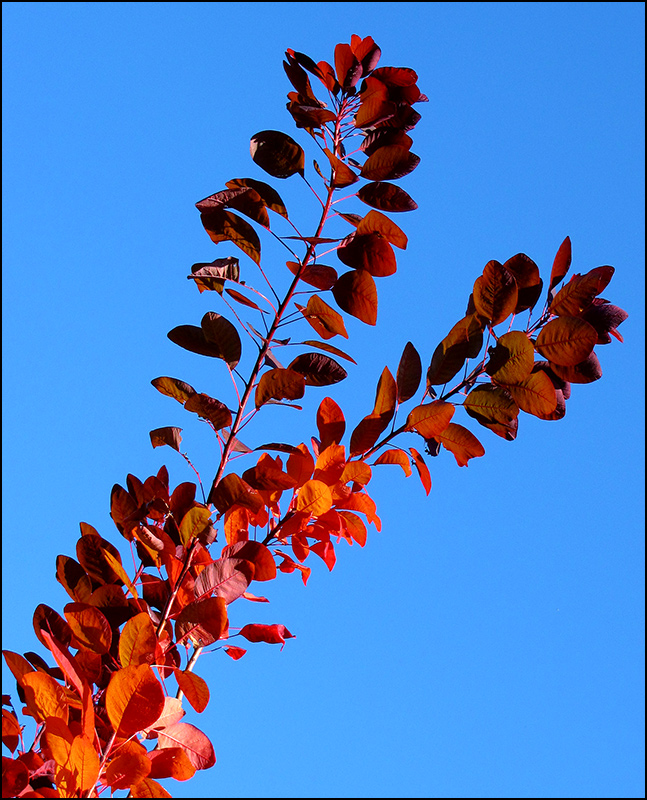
(109, 712)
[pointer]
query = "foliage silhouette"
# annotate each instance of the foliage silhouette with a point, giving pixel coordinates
(106, 714)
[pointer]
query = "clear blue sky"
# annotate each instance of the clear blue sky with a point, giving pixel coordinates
(488, 642)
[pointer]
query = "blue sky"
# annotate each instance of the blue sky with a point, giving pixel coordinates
(489, 641)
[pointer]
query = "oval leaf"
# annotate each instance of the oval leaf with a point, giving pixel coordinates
(566, 341)
(277, 153)
(356, 294)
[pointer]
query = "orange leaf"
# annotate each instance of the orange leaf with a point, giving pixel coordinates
(44, 696)
(194, 688)
(422, 468)
(148, 788)
(324, 319)
(330, 422)
(395, 457)
(342, 174)
(134, 699)
(84, 763)
(389, 163)
(354, 526)
(137, 641)
(314, 497)
(172, 387)
(461, 442)
(430, 419)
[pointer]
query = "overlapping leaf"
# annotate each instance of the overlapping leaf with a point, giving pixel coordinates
(356, 294)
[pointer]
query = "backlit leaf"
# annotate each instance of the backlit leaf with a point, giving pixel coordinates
(605, 318)
(356, 294)
(314, 497)
(223, 226)
(232, 490)
(347, 67)
(409, 373)
(227, 578)
(386, 197)
(44, 697)
(268, 195)
(495, 293)
(222, 337)
(194, 523)
(277, 153)
(354, 526)
(366, 434)
(194, 688)
(279, 384)
(422, 468)
(330, 422)
(134, 699)
(137, 641)
(90, 627)
(395, 457)
(257, 554)
(384, 137)
(239, 297)
(195, 744)
(430, 419)
(529, 284)
(204, 621)
(461, 442)
(272, 634)
(566, 341)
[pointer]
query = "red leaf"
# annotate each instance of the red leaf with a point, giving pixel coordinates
(272, 634)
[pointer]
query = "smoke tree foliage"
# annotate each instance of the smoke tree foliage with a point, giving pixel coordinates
(123, 666)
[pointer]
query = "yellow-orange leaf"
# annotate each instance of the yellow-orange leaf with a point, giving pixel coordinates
(134, 699)
(84, 763)
(461, 442)
(395, 457)
(137, 641)
(356, 471)
(314, 497)
(193, 523)
(44, 696)
(430, 419)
